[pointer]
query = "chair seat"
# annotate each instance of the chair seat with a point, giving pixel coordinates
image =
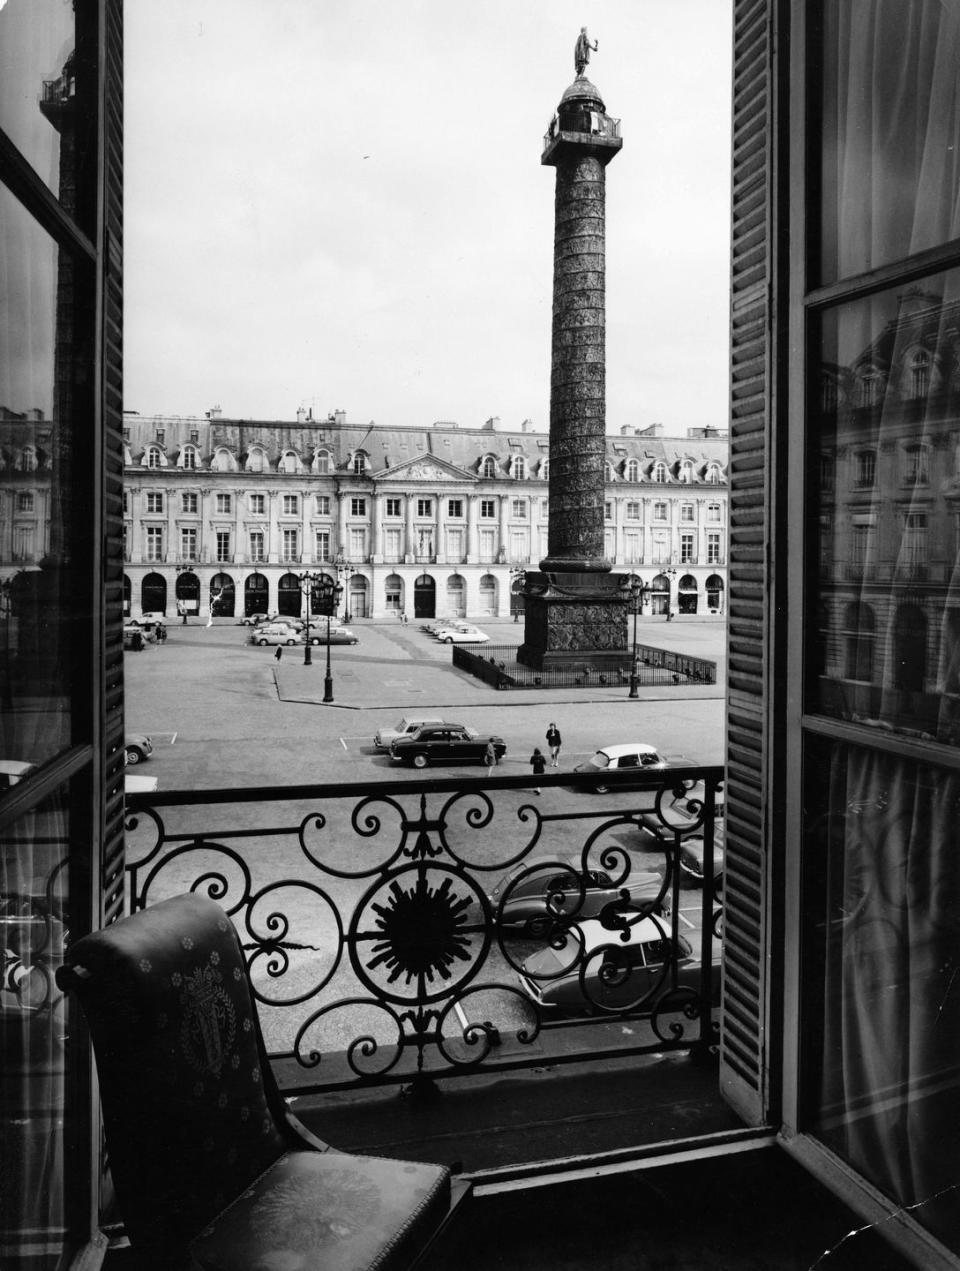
(326, 1211)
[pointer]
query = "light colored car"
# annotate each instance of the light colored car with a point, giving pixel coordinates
(462, 635)
(13, 771)
(406, 724)
(274, 633)
(548, 892)
(636, 756)
(592, 968)
(338, 635)
(138, 747)
(436, 624)
(254, 619)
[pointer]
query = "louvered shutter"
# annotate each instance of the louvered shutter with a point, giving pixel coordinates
(111, 264)
(744, 1052)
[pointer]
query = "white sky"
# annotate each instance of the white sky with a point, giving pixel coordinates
(340, 204)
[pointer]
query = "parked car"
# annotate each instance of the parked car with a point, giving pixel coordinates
(133, 637)
(593, 968)
(252, 619)
(462, 635)
(410, 724)
(274, 633)
(547, 892)
(444, 743)
(13, 771)
(680, 814)
(338, 635)
(435, 624)
(641, 758)
(138, 747)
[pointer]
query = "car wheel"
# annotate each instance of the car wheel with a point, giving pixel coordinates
(314, 639)
(133, 755)
(448, 639)
(261, 643)
(601, 789)
(289, 642)
(419, 761)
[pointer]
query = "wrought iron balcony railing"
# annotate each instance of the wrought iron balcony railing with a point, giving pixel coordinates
(414, 930)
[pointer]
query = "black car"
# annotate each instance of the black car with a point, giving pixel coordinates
(447, 743)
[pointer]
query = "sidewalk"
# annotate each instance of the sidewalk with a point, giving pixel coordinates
(370, 682)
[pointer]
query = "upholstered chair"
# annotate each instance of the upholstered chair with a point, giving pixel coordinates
(211, 1169)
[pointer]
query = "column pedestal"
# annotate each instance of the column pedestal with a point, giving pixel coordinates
(572, 619)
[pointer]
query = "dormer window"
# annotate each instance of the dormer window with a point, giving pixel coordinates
(289, 462)
(659, 472)
(713, 474)
(257, 460)
(632, 470)
(153, 457)
(321, 461)
(489, 467)
(359, 464)
(608, 473)
(919, 374)
(519, 468)
(685, 472)
(189, 458)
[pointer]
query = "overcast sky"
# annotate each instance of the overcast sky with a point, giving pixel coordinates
(340, 204)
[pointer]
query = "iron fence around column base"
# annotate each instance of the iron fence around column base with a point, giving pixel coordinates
(498, 665)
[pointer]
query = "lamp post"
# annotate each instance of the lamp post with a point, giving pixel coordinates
(327, 594)
(345, 573)
(308, 584)
(636, 597)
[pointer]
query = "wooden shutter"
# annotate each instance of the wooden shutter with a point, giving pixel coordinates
(111, 309)
(745, 1053)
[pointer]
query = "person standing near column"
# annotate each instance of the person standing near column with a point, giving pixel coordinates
(554, 741)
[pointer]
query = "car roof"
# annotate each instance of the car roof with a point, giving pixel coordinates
(629, 748)
(596, 936)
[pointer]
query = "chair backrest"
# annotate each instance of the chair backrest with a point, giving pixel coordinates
(188, 1121)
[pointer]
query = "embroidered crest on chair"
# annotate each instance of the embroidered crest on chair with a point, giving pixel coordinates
(209, 1020)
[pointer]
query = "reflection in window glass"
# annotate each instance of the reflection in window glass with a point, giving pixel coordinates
(883, 1028)
(33, 1030)
(38, 74)
(887, 475)
(39, 369)
(883, 137)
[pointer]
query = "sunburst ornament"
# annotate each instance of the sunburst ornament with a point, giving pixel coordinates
(421, 931)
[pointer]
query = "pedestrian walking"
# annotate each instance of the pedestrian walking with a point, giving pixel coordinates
(554, 741)
(490, 756)
(279, 653)
(538, 763)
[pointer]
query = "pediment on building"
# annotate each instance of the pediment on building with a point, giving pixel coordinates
(425, 468)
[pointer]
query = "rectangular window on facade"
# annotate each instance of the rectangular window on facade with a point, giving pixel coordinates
(358, 543)
(488, 545)
(188, 543)
(866, 468)
(290, 546)
(154, 501)
(455, 545)
(488, 509)
(194, 436)
(391, 544)
(687, 551)
(660, 546)
(25, 501)
(608, 510)
(126, 503)
(455, 508)
(23, 543)
(323, 505)
(322, 544)
(223, 545)
(393, 507)
(257, 552)
(224, 503)
(687, 512)
(660, 511)
(154, 543)
(161, 436)
(713, 549)
(189, 501)
(358, 506)
(632, 547)
(714, 512)
(633, 510)
(518, 509)
(291, 505)
(257, 503)
(424, 507)
(519, 547)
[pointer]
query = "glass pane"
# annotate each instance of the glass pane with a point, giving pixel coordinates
(38, 84)
(33, 1028)
(882, 974)
(891, 131)
(884, 512)
(42, 534)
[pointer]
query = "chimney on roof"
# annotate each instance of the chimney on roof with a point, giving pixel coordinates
(493, 423)
(214, 412)
(302, 415)
(339, 416)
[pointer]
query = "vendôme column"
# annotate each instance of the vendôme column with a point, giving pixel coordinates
(575, 609)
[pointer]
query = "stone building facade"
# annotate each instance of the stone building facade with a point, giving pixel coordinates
(226, 513)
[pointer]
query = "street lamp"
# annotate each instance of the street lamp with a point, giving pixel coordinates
(636, 596)
(345, 572)
(309, 583)
(327, 594)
